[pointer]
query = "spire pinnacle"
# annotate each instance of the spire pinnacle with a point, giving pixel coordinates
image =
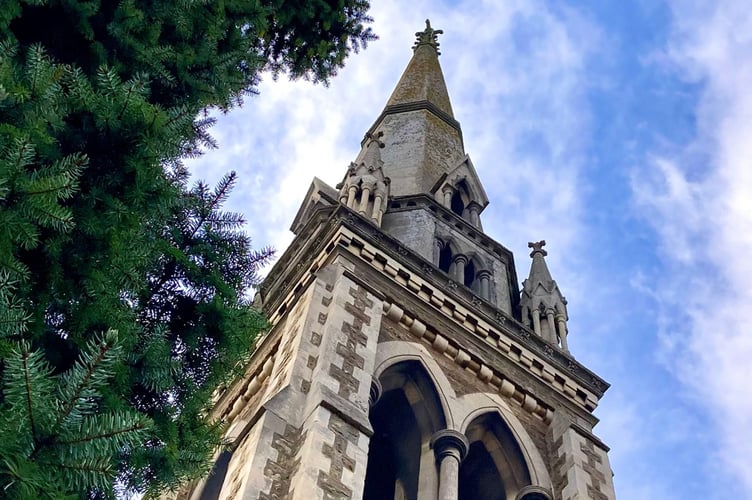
(429, 36)
(543, 306)
(423, 139)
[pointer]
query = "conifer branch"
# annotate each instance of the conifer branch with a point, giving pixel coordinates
(103, 435)
(90, 368)
(27, 379)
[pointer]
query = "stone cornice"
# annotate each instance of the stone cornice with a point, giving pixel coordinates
(416, 106)
(290, 276)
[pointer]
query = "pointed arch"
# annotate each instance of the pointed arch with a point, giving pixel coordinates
(480, 404)
(395, 352)
(495, 468)
(409, 411)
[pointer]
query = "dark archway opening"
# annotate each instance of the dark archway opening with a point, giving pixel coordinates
(479, 479)
(407, 414)
(216, 479)
(469, 274)
(445, 257)
(458, 206)
(495, 468)
(394, 452)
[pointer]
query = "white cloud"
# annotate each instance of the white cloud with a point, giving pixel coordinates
(700, 203)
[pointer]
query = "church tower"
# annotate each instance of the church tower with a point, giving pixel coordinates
(403, 361)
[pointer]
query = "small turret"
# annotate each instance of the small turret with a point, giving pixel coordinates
(365, 189)
(542, 302)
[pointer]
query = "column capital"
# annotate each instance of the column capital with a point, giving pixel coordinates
(448, 442)
(448, 188)
(474, 206)
(533, 492)
(462, 258)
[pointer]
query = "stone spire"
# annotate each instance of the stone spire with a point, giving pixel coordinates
(542, 303)
(423, 80)
(423, 140)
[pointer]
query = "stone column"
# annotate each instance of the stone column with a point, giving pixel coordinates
(437, 246)
(562, 322)
(459, 269)
(526, 316)
(448, 192)
(551, 325)
(536, 321)
(351, 191)
(364, 195)
(450, 448)
(377, 202)
(485, 281)
(474, 210)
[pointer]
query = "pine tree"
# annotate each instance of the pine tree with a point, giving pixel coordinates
(123, 289)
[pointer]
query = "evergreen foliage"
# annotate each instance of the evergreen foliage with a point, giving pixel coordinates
(122, 288)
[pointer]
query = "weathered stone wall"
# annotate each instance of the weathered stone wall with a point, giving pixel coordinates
(420, 147)
(581, 469)
(306, 437)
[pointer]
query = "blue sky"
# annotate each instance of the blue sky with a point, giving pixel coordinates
(621, 132)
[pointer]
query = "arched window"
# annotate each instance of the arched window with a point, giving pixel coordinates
(408, 413)
(214, 482)
(458, 205)
(495, 467)
(445, 257)
(470, 274)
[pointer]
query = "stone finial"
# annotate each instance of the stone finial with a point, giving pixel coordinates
(537, 247)
(429, 36)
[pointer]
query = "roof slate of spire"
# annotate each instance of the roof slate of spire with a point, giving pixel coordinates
(423, 79)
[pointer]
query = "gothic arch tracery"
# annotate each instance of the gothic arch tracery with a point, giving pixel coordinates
(408, 413)
(483, 418)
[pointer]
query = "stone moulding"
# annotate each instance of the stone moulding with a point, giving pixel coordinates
(444, 346)
(514, 351)
(326, 222)
(538, 364)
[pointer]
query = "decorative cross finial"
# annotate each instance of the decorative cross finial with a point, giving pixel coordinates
(537, 247)
(429, 36)
(375, 138)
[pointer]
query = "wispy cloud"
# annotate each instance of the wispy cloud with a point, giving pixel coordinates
(699, 201)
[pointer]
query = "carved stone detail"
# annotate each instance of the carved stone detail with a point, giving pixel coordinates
(331, 481)
(286, 465)
(348, 383)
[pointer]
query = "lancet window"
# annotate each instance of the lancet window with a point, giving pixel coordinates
(459, 197)
(469, 271)
(494, 468)
(413, 455)
(404, 418)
